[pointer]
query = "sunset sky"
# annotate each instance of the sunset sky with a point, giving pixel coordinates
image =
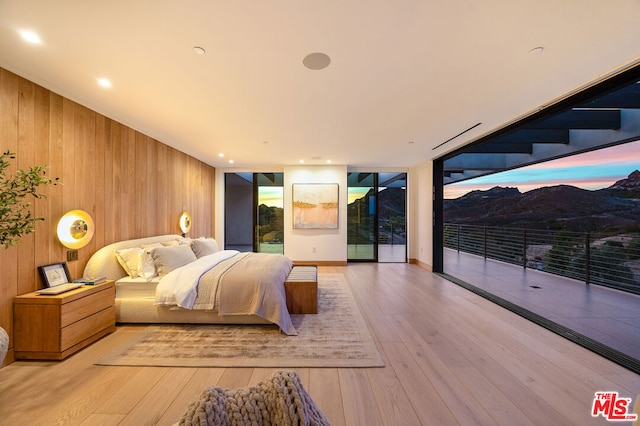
(592, 170)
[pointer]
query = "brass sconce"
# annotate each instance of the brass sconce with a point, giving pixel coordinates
(185, 223)
(75, 229)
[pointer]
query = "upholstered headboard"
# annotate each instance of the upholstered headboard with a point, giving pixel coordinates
(103, 263)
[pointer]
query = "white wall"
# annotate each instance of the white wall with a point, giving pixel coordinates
(421, 213)
(321, 245)
(331, 244)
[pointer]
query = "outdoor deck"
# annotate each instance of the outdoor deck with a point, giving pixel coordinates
(610, 317)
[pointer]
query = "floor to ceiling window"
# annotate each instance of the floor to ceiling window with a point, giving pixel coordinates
(254, 206)
(552, 253)
(376, 217)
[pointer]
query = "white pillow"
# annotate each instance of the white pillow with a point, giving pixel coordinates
(203, 247)
(129, 259)
(146, 268)
(166, 259)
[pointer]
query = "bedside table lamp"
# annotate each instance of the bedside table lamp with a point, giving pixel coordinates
(185, 223)
(75, 229)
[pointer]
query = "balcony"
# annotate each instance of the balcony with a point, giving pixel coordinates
(583, 286)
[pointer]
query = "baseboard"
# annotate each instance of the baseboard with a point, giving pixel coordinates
(321, 262)
(421, 264)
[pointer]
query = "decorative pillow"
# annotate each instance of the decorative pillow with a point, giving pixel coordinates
(166, 259)
(170, 243)
(146, 268)
(202, 247)
(129, 259)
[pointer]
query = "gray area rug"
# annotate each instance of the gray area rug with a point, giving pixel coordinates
(335, 337)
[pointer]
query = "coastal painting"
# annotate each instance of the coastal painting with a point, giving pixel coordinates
(315, 205)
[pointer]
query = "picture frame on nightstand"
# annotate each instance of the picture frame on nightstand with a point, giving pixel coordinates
(54, 274)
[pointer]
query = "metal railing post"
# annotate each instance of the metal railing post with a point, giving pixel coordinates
(587, 258)
(524, 248)
(484, 243)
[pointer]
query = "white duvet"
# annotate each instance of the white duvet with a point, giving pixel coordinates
(180, 286)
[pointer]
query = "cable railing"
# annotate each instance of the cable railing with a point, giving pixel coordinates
(595, 258)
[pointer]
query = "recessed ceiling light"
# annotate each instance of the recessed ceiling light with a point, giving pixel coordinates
(328, 161)
(30, 36)
(231, 161)
(536, 51)
(221, 155)
(301, 161)
(316, 61)
(104, 82)
(199, 50)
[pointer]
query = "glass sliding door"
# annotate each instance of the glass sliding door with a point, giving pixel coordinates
(392, 218)
(269, 213)
(376, 217)
(362, 217)
(253, 216)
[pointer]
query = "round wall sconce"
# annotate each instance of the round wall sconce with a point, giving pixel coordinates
(75, 229)
(185, 223)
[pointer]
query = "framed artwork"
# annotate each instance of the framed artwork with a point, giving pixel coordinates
(315, 205)
(54, 274)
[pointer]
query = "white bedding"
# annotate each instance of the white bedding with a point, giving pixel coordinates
(135, 297)
(127, 288)
(180, 286)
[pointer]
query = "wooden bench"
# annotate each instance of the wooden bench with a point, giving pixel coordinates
(301, 289)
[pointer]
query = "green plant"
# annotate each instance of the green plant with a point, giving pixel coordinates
(16, 218)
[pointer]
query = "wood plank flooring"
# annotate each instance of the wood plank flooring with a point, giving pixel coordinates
(451, 357)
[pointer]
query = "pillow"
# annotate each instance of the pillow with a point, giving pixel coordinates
(202, 247)
(170, 243)
(166, 259)
(129, 259)
(146, 268)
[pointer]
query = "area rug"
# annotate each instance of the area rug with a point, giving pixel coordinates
(336, 336)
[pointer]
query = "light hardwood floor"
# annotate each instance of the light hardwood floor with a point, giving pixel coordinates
(451, 358)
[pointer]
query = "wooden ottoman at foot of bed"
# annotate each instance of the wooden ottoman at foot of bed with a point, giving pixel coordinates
(301, 289)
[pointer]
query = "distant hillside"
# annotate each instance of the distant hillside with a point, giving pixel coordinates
(616, 208)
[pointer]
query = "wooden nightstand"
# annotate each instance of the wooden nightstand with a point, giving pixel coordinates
(54, 327)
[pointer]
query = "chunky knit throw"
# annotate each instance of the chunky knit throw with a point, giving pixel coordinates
(278, 400)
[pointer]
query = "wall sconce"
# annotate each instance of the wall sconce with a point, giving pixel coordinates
(185, 223)
(75, 229)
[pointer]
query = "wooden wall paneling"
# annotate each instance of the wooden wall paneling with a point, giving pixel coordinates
(100, 183)
(128, 172)
(116, 179)
(84, 146)
(56, 170)
(68, 165)
(41, 206)
(26, 158)
(108, 211)
(140, 186)
(171, 196)
(151, 191)
(162, 183)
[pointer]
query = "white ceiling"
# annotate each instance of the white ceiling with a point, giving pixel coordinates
(405, 76)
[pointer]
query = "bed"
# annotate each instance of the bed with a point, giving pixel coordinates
(171, 279)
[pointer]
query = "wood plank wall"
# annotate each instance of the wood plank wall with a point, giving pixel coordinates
(132, 185)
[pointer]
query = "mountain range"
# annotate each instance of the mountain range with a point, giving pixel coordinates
(560, 207)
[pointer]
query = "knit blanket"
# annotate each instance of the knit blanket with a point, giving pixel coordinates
(278, 400)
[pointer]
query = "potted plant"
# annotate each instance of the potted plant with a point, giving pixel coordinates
(16, 218)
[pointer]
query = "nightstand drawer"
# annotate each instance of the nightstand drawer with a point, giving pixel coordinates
(81, 308)
(54, 327)
(87, 327)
